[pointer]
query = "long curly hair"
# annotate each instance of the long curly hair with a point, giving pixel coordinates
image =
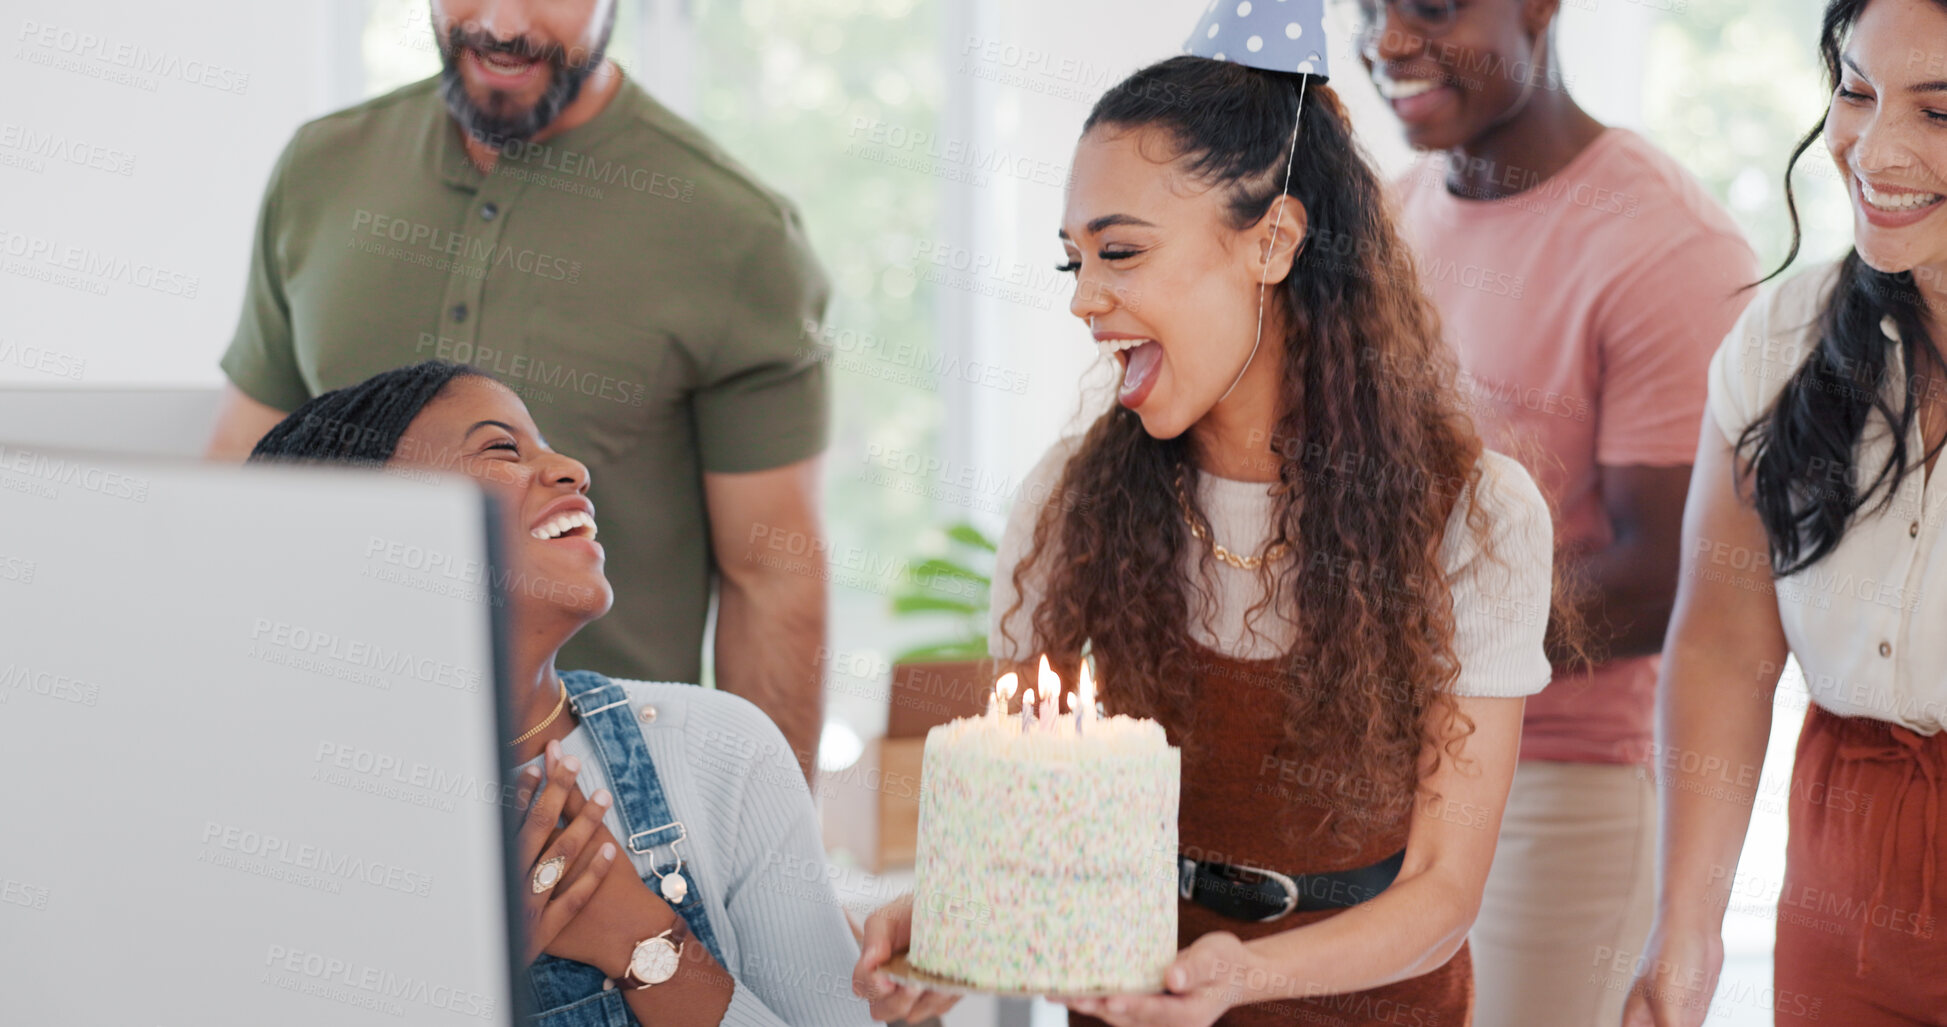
(1372, 453)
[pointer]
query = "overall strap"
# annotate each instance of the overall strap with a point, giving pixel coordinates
(649, 829)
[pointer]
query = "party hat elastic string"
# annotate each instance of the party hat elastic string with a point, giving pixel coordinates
(1264, 279)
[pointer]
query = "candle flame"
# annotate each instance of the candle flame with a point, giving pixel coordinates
(1027, 701)
(1006, 685)
(1050, 681)
(1087, 690)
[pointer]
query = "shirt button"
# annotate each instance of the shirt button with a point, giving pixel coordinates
(488, 211)
(1913, 530)
(459, 312)
(1886, 648)
(648, 714)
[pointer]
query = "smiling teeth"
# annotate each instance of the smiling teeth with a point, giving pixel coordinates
(565, 523)
(1110, 347)
(1896, 201)
(1400, 89)
(505, 62)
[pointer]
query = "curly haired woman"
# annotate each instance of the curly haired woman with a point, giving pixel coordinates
(1286, 544)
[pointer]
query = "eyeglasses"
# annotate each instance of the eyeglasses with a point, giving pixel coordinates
(1428, 17)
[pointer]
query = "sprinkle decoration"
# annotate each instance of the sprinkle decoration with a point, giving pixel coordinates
(1047, 851)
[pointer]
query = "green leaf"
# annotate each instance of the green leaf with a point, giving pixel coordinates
(972, 649)
(938, 568)
(965, 533)
(912, 603)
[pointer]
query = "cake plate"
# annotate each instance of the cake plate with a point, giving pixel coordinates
(900, 969)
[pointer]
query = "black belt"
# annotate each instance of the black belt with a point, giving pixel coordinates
(1250, 893)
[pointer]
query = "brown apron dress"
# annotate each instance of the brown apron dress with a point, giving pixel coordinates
(1241, 800)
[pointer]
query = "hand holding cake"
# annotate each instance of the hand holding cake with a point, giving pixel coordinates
(1201, 986)
(888, 932)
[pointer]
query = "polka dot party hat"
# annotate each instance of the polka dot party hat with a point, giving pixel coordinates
(1275, 35)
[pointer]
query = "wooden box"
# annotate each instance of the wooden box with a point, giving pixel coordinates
(925, 695)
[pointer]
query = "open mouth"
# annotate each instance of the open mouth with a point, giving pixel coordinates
(573, 524)
(499, 64)
(1405, 88)
(1411, 98)
(1140, 359)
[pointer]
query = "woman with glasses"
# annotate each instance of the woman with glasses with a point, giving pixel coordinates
(1583, 279)
(1814, 532)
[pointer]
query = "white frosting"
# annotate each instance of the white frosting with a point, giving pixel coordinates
(1047, 860)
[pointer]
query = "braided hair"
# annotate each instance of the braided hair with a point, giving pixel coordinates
(358, 424)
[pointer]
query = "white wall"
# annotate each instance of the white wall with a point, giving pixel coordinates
(180, 110)
(1034, 69)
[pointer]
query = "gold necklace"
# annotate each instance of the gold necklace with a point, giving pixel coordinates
(1273, 552)
(559, 705)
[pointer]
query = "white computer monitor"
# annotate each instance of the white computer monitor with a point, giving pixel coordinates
(250, 723)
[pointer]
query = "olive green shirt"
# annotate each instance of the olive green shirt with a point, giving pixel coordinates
(653, 304)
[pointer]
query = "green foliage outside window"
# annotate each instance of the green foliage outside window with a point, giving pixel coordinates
(1729, 86)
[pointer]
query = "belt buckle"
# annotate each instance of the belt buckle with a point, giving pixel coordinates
(1186, 884)
(1290, 891)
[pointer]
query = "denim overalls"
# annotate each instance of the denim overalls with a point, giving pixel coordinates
(570, 994)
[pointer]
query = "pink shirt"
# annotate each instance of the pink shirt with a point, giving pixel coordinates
(1584, 310)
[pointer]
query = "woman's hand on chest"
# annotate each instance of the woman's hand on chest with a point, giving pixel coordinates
(622, 912)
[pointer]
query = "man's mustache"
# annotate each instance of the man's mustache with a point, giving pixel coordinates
(469, 38)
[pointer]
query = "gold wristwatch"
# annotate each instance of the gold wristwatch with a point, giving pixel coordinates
(655, 960)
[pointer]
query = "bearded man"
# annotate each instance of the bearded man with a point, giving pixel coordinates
(534, 213)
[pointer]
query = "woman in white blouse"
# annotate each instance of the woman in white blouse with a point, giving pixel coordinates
(1813, 530)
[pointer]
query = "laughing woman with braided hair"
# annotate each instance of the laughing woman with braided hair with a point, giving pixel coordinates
(672, 894)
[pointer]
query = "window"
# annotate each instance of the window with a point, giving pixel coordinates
(1728, 89)
(828, 102)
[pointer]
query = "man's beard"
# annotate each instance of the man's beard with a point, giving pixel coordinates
(497, 123)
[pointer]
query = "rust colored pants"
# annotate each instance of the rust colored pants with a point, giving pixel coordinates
(1859, 942)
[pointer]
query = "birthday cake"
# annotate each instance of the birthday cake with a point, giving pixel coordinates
(1047, 853)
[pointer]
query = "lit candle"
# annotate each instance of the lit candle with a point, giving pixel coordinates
(1003, 694)
(1085, 692)
(1050, 691)
(1027, 709)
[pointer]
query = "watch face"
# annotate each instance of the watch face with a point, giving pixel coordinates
(654, 961)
